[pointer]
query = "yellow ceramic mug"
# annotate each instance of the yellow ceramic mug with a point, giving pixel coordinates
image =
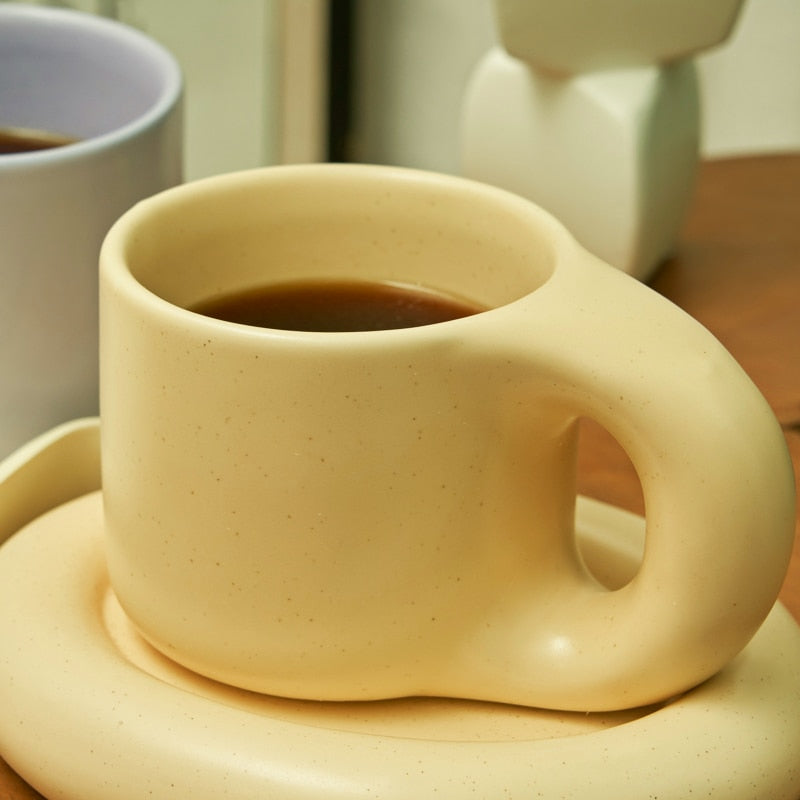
(369, 515)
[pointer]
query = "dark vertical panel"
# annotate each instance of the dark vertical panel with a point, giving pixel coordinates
(341, 41)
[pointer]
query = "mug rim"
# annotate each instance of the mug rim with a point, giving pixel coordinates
(116, 271)
(145, 47)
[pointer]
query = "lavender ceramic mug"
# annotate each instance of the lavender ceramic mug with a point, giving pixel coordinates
(115, 95)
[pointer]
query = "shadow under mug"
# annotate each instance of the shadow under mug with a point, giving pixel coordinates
(370, 515)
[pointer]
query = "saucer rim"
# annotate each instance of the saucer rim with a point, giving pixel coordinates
(742, 718)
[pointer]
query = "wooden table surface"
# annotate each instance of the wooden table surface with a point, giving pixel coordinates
(736, 270)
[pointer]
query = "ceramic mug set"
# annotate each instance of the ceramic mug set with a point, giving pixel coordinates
(359, 514)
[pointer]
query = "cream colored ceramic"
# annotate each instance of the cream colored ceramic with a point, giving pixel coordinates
(612, 154)
(359, 516)
(56, 466)
(571, 36)
(91, 711)
(119, 93)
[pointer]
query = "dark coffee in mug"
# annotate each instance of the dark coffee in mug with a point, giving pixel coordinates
(327, 305)
(22, 140)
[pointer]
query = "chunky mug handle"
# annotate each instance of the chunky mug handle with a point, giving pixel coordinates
(717, 483)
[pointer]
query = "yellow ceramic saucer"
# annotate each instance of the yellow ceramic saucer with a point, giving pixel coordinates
(89, 710)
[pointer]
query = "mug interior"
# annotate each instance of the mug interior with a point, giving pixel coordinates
(79, 75)
(337, 222)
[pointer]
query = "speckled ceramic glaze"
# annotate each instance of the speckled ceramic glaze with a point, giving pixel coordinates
(91, 711)
(355, 516)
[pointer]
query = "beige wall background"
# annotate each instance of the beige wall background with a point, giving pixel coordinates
(418, 54)
(255, 77)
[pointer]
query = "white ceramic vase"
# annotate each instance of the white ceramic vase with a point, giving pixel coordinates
(612, 154)
(574, 36)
